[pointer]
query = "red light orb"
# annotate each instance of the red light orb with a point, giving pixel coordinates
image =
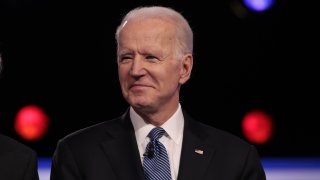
(31, 122)
(257, 127)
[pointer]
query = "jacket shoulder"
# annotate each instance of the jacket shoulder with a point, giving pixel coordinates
(218, 137)
(91, 134)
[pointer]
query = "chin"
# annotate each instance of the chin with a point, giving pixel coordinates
(138, 101)
(140, 105)
(143, 107)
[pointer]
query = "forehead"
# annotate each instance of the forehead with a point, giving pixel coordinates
(148, 28)
(155, 36)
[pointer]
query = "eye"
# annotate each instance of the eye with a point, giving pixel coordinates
(124, 58)
(151, 58)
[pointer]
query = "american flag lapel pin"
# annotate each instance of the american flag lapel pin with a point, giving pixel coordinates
(198, 151)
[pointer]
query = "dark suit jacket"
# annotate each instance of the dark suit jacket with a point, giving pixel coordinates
(17, 162)
(109, 151)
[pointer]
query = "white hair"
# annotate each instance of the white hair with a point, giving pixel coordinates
(183, 30)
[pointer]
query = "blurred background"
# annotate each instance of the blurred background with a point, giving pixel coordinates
(255, 72)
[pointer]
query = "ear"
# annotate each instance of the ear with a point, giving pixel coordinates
(186, 67)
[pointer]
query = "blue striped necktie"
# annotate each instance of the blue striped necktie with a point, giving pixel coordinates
(156, 162)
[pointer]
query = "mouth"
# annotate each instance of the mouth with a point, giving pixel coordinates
(138, 86)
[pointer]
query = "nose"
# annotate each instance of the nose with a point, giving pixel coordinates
(137, 67)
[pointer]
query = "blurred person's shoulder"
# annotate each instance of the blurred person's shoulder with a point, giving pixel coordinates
(11, 146)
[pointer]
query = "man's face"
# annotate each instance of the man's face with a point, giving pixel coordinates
(149, 72)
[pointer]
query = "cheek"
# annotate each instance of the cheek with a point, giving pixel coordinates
(123, 82)
(170, 79)
(173, 74)
(122, 74)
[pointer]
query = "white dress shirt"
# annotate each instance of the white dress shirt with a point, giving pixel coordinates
(172, 139)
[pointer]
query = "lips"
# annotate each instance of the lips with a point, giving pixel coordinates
(137, 86)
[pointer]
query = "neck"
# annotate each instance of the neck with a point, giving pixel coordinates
(159, 117)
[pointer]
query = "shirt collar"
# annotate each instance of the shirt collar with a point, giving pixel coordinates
(173, 126)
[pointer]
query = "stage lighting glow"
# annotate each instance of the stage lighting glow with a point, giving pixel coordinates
(257, 126)
(31, 122)
(258, 5)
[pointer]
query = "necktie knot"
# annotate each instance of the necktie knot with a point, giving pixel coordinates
(156, 133)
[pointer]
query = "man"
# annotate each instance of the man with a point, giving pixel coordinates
(154, 60)
(17, 162)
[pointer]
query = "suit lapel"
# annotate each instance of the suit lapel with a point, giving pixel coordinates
(196, 152)
(121, 149)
